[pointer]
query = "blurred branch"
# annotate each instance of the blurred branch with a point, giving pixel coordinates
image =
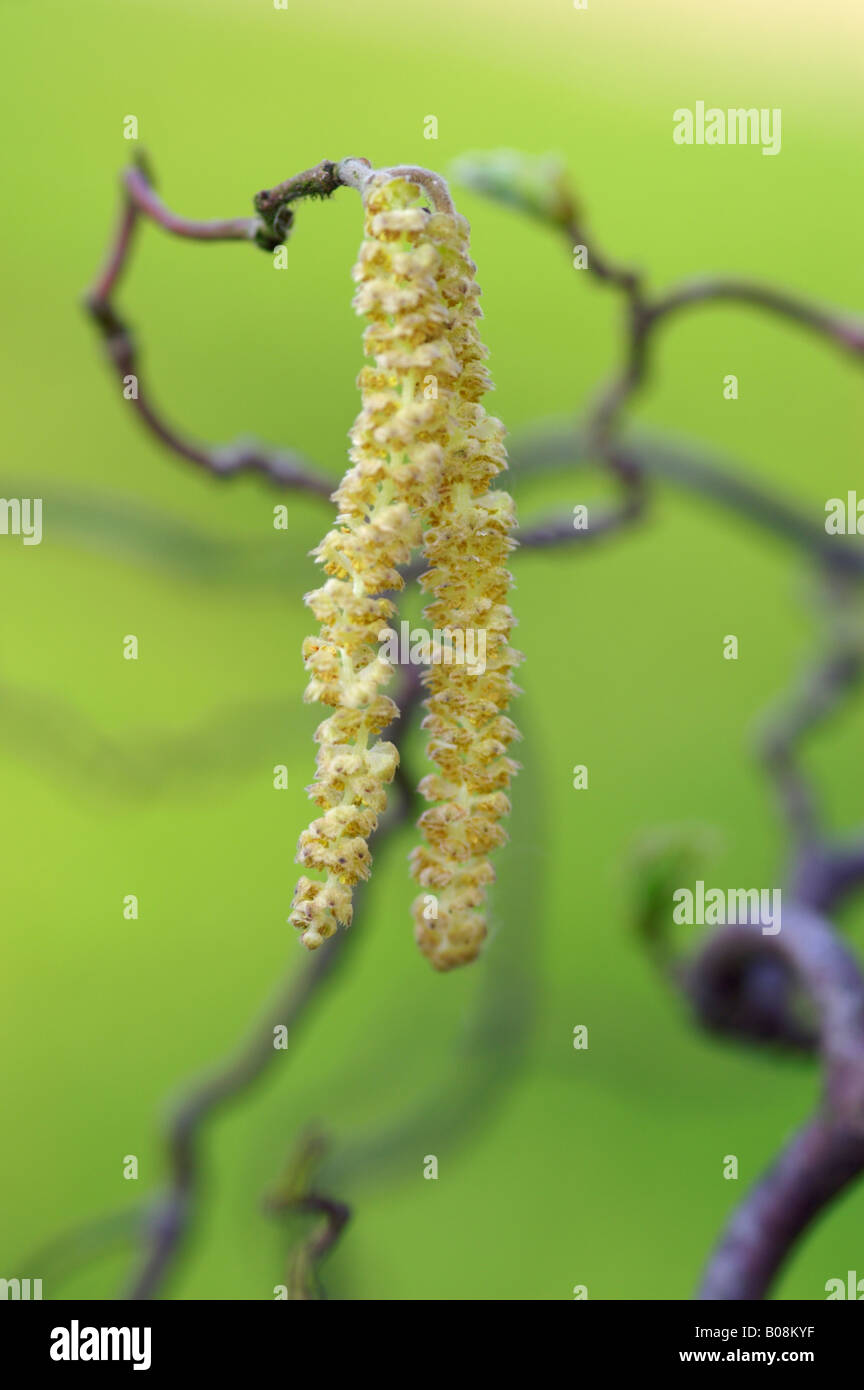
(492, 1043)
(169, 1219)
(295, 1194)
(842, 330)
(160, 1227)
(829, 1152)
(830, 679)
(539, 188)
(719, 984)
(822, 1160)
(749, 986)
(561, 530)
(745, 985)
(82, 1244)
(743, 982)
(552, 447)
(827, 873)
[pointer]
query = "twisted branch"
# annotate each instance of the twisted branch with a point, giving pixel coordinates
(741, 982)
(829, 1152)
(268, 230)
(295, 1194)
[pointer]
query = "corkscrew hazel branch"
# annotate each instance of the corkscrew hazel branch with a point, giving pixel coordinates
(828, 1153)
(755, 1001)
(267, 230)
(554, 446)
(814, 1169)
(539, 188)
(295, 1193)
(747, 986)
(735, 987)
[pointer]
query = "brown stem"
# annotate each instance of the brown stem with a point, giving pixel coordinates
(295, 1194)
(812, 1170)
(561, 531)
(829, 1152)
(844, 331)
(284, 469)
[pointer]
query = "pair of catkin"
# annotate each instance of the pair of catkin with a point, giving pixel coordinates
(424, 454)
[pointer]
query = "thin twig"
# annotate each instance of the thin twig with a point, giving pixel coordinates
(287, 470)
(561, 530)
(295, 1194)
(845, 331)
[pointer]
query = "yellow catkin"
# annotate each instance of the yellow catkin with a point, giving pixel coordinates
(467, 540)
(408, 286)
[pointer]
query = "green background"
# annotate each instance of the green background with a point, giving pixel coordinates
(154, 777)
